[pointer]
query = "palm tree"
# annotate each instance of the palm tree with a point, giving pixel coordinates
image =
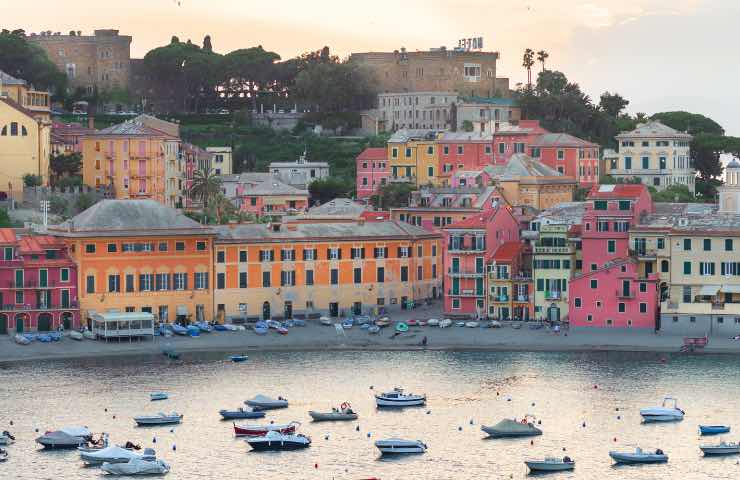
(541, 57)
(206, 185)
(528, 61)
(223, 209)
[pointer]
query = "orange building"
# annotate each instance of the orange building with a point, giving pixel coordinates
(306, 270)
(141, 256)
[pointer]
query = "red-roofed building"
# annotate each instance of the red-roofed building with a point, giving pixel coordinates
(509, 286)
(373, 171)
(467, 244)
(569, 155)
(66, 138)
(509, 139)
(38, 284)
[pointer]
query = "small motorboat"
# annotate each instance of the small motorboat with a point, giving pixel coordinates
(507, 428)
(343, 413)
(261, 328)
(96, 445)
(193, 331)
(112, 454)
(412, 322)
(3, 455)
(88, 334)
(459, 324)
(21, 340)
(156, 396)
(495, 324)
(146, 465)
(230, 327)
(75, 335)
(551, 464)
(275, 440)
(220, 328)
(373, 329)
(433, 322)
(298, 322)
(204, 327)
(55, 336)
(282, 330)
(264, 402)
(68, 437)
(43, 338)
(362, 319)
(6, 438)
(723, 448)
(396, 446)
(347, 324)
(325, 321)
(262, 430)
(472, 324)
(639, 456)
(178, 329)
(402, 327)
(159, 419)
(241, 413)
(713, 429)
(383, 322)
(274, 324)
(397, 398)
(445, 323)
(238, 358)
(667, 412)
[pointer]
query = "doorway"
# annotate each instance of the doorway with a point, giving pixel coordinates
(357, 308)
(44, 322)
(266, 311)
(3, 324)
(67, 320)
(288, 310)
(19, 320)
(333, 309)
(553, 313)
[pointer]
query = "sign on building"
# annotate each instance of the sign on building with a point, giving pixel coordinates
(473, 43)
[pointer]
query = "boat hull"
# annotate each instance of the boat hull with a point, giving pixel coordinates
(650, 418)
(716, 450)
(241, 415)
(713, 429)
(332, 417)
(153, 422)
(536, 466)
(267, 445)
(401, 450)
(399, 403)
(266, 406)
(493, 433)
(632, 459)
(60, 445)
(262, 431)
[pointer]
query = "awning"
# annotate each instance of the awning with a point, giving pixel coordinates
(182, 310)
(731, 288)
(709, 290)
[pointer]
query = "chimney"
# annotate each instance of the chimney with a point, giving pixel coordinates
(91, 121)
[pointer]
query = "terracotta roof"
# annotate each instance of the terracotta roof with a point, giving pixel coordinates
(560, 140)
(373, 153)
(375, 216)
(507, 251)
(479, 220)
(621, 190)
(465, 137)
(7, 235)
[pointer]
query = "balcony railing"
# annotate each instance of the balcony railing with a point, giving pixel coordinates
(554, 250)
(718, 306)
(30, 284)
(646, 253)
(28, 307)
(553, 295)
(458, 273)
(521, 298)
(627, 294)
(465, 293)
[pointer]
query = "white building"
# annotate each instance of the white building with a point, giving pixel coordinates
(300, 173)
(729, 193)
(656, 154)
(222, 162)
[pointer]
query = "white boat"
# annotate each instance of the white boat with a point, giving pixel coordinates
(325, 321)
(263, 402)
(159, 419)
(68, 437)
(459, 324)
(512, 428)
(75, 335)
(723, 448)
(112, 454)
(229, 327)
(396, 446)
(667, 412)
(472, 324)
(639, 456)
(445, 323)
(275, 440)
(154, 396)
(21, 340)
(146, 465)
(433, 322)
(88, 334)
(551, 464)
(396, 398)
(6, 438)
(343, 413)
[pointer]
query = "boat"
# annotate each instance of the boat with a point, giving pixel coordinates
(396, 398)
(6, 438)
(383, 322)
(512, 428)
(3, 455)
(723, 448)
(264, 402)
(21, 340)
(159, 419)
(146, 465)
(238, 358)
(401, 327)
(88, 334)
(550, 464)
(274, 440)
(433, 322)
(639, 456)
(68, 437)
(204, 327)
(43, 337)
(55, 336)
(366, 326)
(497, 324)
(261, 328)
(472, 324)
(373, 329)
(298, 322)
(325, 321)
(158, 396)
(343, 413)
(282, 330)
(75, 335)
(229, 327)
(395, 446)
(179, 329)
(362, 319)
(112, 454)
(240, 328)
(262, 430)
(274, 324)
(445, 323)
(193, 331)
(412, 322)
(667, 412)
(347, 323)
(713, 429)
(241, 413)
(422, 323)
(220, 328)
(460, 324)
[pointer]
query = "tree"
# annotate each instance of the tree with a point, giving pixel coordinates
(27, 61)
(392, 195)
(207, 46)
(528, 62)
(250, 73)
(57, 205)
(329, 188)
(612, 104)
(467, 126)
(222, 210)
(541, 57)
(31, 180)
(5, 219)
(84, 201)
(674, 193)
(693, 123)
(65, 165)
(336, 87)
(206, 185)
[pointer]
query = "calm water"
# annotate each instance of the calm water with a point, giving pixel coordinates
(461, 387)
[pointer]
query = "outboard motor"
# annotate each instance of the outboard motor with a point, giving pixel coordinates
(7, 434)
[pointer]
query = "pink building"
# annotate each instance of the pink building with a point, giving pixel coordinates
(262, 194)
(569, 155)
(467, 244)
(38, 284)
(372, 171)
(463, 151)
(611, 210)
(509, 139)
(66, 138)
(614, 296)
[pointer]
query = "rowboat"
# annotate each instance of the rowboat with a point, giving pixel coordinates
(551, 464)
(713, 429)
(238, 358)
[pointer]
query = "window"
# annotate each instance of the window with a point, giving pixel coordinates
(267, 255)
(265, 279)
(287, 278)
(310, 254)
(643, 287)
(600, 204)
(358, 275)
(403, 252)
(180, 281)
(419, 272)
(611, 246)
(200, 246)
(430, 150)
(687, 244)
(627, 163)
(334, 276)
(114, 283)
(357, 252)
(90, 284)
(8, 253)
(460, 149)
(594, 284)
(577, 302)
(221, 280)
(645, 163)
(242, 256)
(519, 147)
(561, 154)
(664, 266)
(287, 254)
(162, 282)
(13, 129)
(621, 307)
(434, 270)
(220, 257)
(501, 148)
(309, 277)
(112, 248)
(434, 250)
(404, 273)
(90, 248)
(660, 243)
(129, 282)
(381, 274)
(706, 268)
(146, 283)
(687, 268)
(179, 246)
(728, 245)
(162, 247)
(64, 275)
(446, 149)
(242, 279)
(334, 253)
(201, 280)
(643, 307)
(707, 244)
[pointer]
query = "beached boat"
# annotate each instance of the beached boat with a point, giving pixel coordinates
(667, 412)
(325, 321)
(263, 402)
(68, 437)
(722, 448)
(445, 323)
(112, 454)
(460, 324)
(146, 465)
(156, 396)
(241, 413)
(343, 413)
(274, 324)
(639, 456)
(373, 329)
(433, 322)
(472, 324)
(512, 428)
(3, 455)
(362, 319)
(193, 331)
(383, 322)
(230, 327)
(21, 340)
(178, 329)
(88, 335)
(299, 322)
(713, 429)
(6, 438)
(75, 335)
(261, 328)
(401, 327)
(397, 398)
(159, 419)
(551, 464)
(238, 358)
(412, 322)
(262, 430)
(204, 327)
(347, 323)
(220, 328)
(282, 330)
(279, 441)
(397, 446)
(496, 324)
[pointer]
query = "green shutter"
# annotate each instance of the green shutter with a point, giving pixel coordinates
(687, 268)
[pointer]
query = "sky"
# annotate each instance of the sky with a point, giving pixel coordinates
(659, 54)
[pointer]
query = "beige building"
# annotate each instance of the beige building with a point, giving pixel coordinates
(656, 154)
(174, 162)
(525, 181)
(100, 61)
(223, 162)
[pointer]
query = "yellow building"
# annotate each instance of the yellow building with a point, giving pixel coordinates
(413, 157)
(525, 181)
(25, 134)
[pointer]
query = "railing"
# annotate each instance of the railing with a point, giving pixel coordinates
(458, 273)
(499, 298)
(643, 252)
(465, 293)
(30, 284)
(623, 294)
(28, 307)
(464, 249)
(545, 249)
(521, 298)
(553, 295)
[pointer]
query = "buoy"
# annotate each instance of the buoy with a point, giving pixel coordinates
(315, 465)
(615, 439)
(428, 412)
(584, 424)
(114, 417)
(596, 386)
(497, 394)
(619, 417)
(272, 421)
(37, 430)
(368, 434)
(508, 399)
(154, 440)
(174, 447)
(371, 387)
(531, 442)
(357, 428)
(11, 422)
(326, 437)
(172, 430)
(539, 422)
(563, 448)
(106, 409)
(471, 421)
(533, 404)
(459, 429)
(616, 409)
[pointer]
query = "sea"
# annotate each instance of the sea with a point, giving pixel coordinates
(586, 404)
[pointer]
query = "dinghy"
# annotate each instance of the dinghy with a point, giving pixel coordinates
(433, 322)
(325, 321)
(512, 428)
(551, 464)
(373, 329)
(261, 328)
(241, 413)
(263, 402)
(88, 335)
(401, 327)
(639, 456)
(146, 465)
(445, 323)
(6, 438)
(713, 429)
(68, 437)
(343, 413)
(113, 454)
(155, 396)
(75, 335)
(723, 448)
(397, 446)
(383, 322)
(179, 329)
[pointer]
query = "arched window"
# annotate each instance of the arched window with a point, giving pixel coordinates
(24, 132)
(13, 129)
(4, 131)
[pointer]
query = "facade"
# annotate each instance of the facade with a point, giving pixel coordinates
(278, 271)
(467, 244)
(509, 139)
(462, 151)
(99, 62)
(67, 138)
(436, 70)
(405, 148)
(415, 110)
(553, 265)
(141, 256)
(373, 171)
(299, 174)
(223, 161)
(26, 96)
(485, 114)
(264, 195)
(569, 155)
(656, 154)
(174, 162)
(38, 284)
(509, 282)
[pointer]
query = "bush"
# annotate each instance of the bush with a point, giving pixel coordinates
(84, 201)
(58, 205)
(69, 182)
(31, 180)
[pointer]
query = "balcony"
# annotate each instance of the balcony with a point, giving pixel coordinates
(567, 250)
(29, 284)
(465, 293)
(718, 306)
(554, 296)
(499, 298)
(464, 249)
(628, 294)
(644, 253)
(28, 307)
(401, 179)
(669, 307)
(461, 274)
(520, 298)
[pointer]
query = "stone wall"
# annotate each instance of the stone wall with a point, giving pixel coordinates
(32, 196)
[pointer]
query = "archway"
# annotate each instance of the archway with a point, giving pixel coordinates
(553, 313)
(44, 322)
(3, 323)
(20, 320)
(288, 310)
(266, 311)
(67, 320)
